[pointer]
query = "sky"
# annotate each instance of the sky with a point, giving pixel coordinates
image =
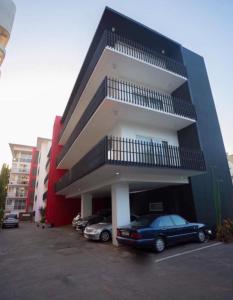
(50, 39)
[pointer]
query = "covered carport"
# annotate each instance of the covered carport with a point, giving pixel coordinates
(128, 190)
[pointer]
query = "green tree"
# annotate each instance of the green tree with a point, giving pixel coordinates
(4, 179)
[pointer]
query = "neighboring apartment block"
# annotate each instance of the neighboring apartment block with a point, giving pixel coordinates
(19, 178)
(7, 14)
(140, 131)
(41, 182)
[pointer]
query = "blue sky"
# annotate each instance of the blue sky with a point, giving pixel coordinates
(50, 39)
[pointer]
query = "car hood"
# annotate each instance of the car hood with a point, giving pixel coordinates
(100, 226)
(10, 221)
(200, 225)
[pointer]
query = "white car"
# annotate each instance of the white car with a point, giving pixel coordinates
(75, 220)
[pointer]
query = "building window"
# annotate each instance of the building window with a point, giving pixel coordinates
(156, 206)
(9, 202)
(19, 204)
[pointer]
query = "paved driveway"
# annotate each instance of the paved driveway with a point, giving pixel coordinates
(56, 264)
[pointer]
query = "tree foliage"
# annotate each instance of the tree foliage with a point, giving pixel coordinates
(4, 179)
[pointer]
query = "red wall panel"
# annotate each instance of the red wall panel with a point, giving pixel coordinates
(59, 210)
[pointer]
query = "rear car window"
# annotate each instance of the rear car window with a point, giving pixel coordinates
(142, 221)
(178, 220)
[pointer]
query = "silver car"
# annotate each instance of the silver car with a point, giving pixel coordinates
(10, 221)
(102, 231)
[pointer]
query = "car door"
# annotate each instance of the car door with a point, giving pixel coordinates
(165, 226)
(183, 228)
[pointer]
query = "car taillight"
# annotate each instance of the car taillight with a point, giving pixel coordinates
(135, 235)
(118, 232)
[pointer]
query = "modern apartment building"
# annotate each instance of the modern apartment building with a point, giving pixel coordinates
(19, 178)
(41, 180)
(140, 131)
(7, 14)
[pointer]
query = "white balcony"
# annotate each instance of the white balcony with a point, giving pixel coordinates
(125, 59)
(116, 102)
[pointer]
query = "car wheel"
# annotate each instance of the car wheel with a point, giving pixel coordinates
(201, 236)
(159, 244)
(105, 236)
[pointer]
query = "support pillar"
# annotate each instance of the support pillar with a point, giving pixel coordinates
(86, 205)
(120, 208)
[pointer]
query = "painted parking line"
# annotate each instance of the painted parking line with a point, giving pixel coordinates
(187, 252)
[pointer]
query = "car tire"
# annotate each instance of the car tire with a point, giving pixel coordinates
(105, 236)
(201, 236)
(159, 244)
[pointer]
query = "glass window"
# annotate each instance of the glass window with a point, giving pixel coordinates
(178, 220)
(143, 221)
(164, 222)
(19, 204)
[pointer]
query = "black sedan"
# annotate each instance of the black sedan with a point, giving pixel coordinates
(158, 232)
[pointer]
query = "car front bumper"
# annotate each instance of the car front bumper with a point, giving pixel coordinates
(9, 225)
(92, 236)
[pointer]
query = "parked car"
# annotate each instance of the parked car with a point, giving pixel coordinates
(158, 232)
(102, 231)
(10, 221)
(99, 217)
(75, 220)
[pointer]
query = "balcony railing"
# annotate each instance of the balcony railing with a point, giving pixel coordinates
(17, 182)
(135, 153)
(131, 94)
(45, 195)
(19, 170)
(16, 195)
(47, 163)
(128, 47)
(46, 178)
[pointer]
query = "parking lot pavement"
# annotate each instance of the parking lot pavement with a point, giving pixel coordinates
(57, 264)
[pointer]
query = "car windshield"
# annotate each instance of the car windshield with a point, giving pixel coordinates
(108, 219)
(89, 218)
(11, 217)
(143, 221)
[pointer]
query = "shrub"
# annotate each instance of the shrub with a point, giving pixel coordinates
(225, 231)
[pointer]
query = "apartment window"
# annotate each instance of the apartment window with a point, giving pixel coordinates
(156, 206)
(19, 204)
(9, 202)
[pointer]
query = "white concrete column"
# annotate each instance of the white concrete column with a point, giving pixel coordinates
(86, 205)
(120, 208)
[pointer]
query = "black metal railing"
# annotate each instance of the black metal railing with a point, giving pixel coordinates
(128, 47)
(46, 178)
(47, 163)
(129, 152)
(132, 94)
(139, 51)
(45, 195)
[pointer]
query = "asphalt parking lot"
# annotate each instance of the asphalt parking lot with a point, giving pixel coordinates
(57, 263)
